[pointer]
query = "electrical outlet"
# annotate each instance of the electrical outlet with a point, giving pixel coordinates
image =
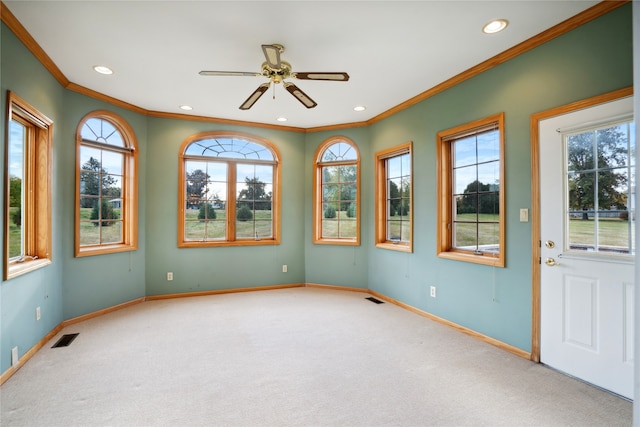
(284, 268)
(433, 292)
(170, 275)
(14, 356)
(37, 313)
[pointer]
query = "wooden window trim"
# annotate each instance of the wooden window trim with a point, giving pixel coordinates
(129, 186)
(445, 210)
(37, 181)
(381, 199)
(317, 193)
(231, 201)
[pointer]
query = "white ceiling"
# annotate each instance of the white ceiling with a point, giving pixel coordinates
(392, 50)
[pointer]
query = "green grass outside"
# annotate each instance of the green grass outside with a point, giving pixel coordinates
(92, 234)
(196, 229)
(611, 232)
(14, 235)
(341, 227)
(487, 234)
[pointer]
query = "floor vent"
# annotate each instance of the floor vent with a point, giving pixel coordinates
(65, 340)
(377, 301)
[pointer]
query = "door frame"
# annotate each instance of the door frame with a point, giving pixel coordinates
(535, 200)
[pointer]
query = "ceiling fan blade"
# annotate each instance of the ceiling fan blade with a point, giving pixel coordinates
(337, 77)
(272, 54)
(299, 95)
(229, 73)
(255, 96)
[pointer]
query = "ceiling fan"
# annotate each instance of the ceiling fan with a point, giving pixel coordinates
(277, 71)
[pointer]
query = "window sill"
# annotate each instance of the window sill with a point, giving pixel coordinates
(339, 242)
(400, 247)
(483, 259)
(104, 249)
(213, 244)
(16, 269)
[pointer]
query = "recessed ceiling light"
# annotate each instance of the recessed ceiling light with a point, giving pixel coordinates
(186, 107)
(281, 119)
(495, 26)
(102, 69)
(359, 108)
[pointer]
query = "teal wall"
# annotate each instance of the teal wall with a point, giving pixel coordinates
(200, 269)
(19, 297)
(593, 59)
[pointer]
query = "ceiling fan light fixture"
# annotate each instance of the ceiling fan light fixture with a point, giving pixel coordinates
(495, 26)
(103, 69)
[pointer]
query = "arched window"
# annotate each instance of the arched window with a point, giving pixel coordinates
(106, 185)
(336, 196)
(229, 191)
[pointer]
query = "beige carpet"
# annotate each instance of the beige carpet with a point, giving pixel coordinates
(291, 357)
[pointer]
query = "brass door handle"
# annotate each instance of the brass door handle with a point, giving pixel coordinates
(551, 262)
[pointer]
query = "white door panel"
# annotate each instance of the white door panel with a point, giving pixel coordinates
(586, 290)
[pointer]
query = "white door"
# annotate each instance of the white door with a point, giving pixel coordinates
(587, 224)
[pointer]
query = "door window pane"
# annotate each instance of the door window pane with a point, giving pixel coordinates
(599, 184)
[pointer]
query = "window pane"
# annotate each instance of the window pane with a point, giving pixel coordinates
(466, 207)
(112, 162)
(394, 167)
(489, 176)
(489, 206)
(111, 232)
(17, 208)
(580, 151)
(348, 192)
(111, 186)
(89, 233)
(612, 145)
(464, 152)
(465, 180)
(331, 174)
(347, 228)
(229, 148)
(99, 130)
(348, 173)
(489, 146)
(466, 235)
(489, 237)
(338, 152)
(264, 173)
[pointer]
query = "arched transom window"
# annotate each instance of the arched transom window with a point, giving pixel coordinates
(337, 193)
(229, 185)
(106, 185)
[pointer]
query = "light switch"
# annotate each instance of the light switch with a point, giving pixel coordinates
(524, 215)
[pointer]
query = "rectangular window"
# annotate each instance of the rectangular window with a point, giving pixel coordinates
(471, 195)
(27, 219)
(599, 182)
(394, 199)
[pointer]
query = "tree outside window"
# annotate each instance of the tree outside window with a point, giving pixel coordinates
(336, 214)
(471, 192)
(106, 214)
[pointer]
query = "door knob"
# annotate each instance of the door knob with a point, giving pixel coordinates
(550, 244)
(551, 262)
